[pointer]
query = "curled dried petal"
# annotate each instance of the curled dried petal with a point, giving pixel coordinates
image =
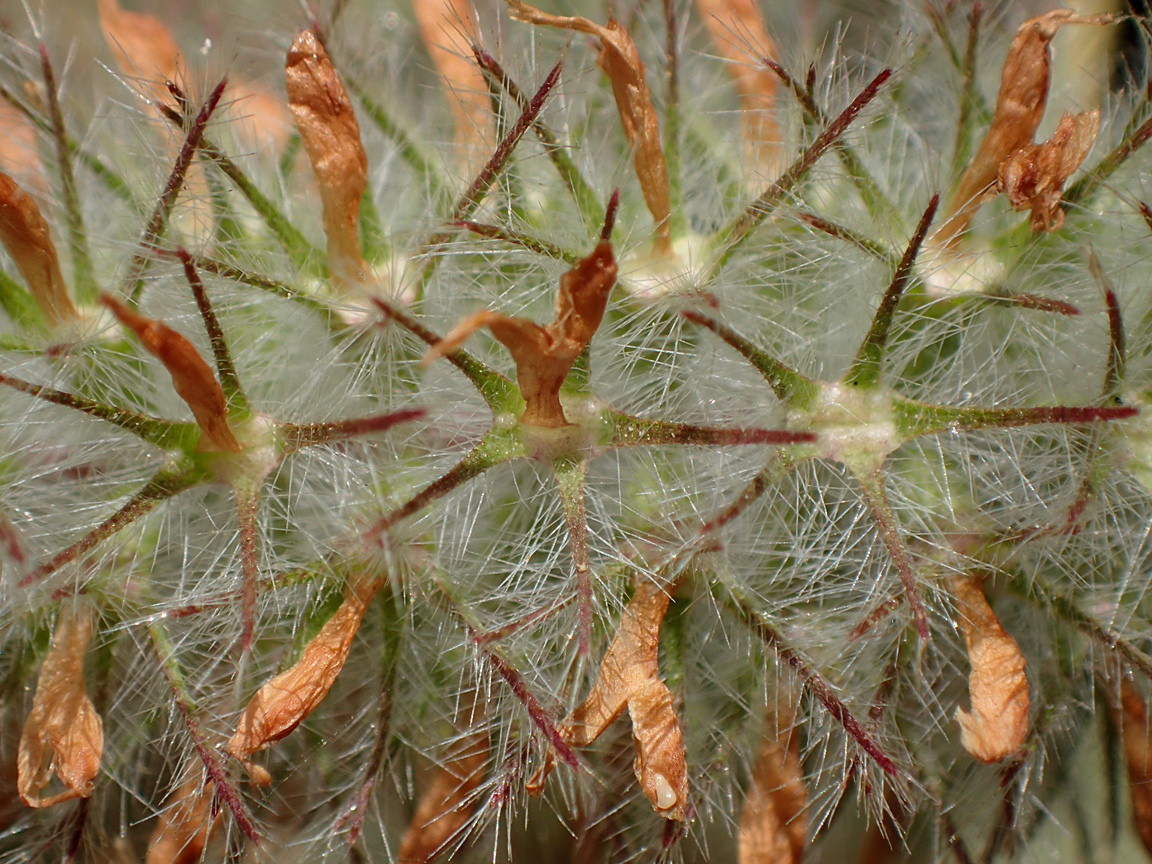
(544, 355)
(629, 677)
(738, 33)
(185, 824)
(281, 703)
(448, 30)
(997, 686)
(1033, 177)
(1137, 742)
(25, 235)
(63, 733)
(191, 376)
(772, 823)
(331, 138)
(1020, 105)
(620, 60)
(143, 47)
(445, 805)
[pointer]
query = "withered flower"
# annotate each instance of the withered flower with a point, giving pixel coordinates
(1020, 105)
(331, 138)
(63, 734)
(447, 29)
(997, 686)
(191, 376)
(185, 824)
(772, 823)
(544, 355)
(1137, 741)
(629, 677)
(620, 60)
(445, 805)
(143, 47)
(24, 232)
(1033, 177)
(738, 33)
(285, 700)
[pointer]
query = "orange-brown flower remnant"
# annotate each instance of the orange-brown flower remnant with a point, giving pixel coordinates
(448, 30)
(285, 700)
(1020, 105)
(331, 138)
(185, 824)
(1137, 741)
(739, 35)
(544, 355)
(1033, 177)
(63, 734)
(445, 805)
(191, 376)
(772, 823)
(18, 156)
(629, 677)
(997, 686)
(620, 60)
(24, 233)
(143, 47)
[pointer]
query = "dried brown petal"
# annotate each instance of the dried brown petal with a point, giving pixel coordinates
(191, 376)
(18, 156)
(279, 706)
(143, 47)
(739, 35)
(63, 733)
(1137, 741)
(1033, 177)
(331, 138)
(621, 61)
(1019, 107)
(544, 355)
(629, 677)
(24, 233)
(446, 804)
(772, 823)
(448, 31)
(185, 824)
(997, 686)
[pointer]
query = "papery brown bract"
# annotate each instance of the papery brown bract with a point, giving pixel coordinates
(1033, 177)
(281, 703)
(63, 734)
(191, 376)
(331, 138)
(143, 47)
(620, 60)
(772, 822)
(544, 355)
(997, 686)
(185, 824)
(24, 233)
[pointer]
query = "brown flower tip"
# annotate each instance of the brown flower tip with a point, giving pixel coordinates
(282, 702)
(997, 686)
(24, 233)
(331, 138)
(772, 823)
(191, 376)
(1137, 742)
(143, 47)
(448, 30)
(544, 355)
(738, 33)
(185, 824)
(446, 803)
(1033, 177)
(629, 677)
(63, 734)
(1020, 105)
(620, 60)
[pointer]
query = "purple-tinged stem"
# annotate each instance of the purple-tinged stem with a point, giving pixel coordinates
(638, 432)
(1094, 177)
(878, 614)
(229, 381)
(299, 435)
(841, 232)
(1146, 213)
(518, 238)
(777, 466)
(1114, 371)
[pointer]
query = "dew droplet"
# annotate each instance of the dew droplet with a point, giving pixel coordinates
(665, 795)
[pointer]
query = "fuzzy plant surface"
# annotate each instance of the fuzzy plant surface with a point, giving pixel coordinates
(672, 430)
